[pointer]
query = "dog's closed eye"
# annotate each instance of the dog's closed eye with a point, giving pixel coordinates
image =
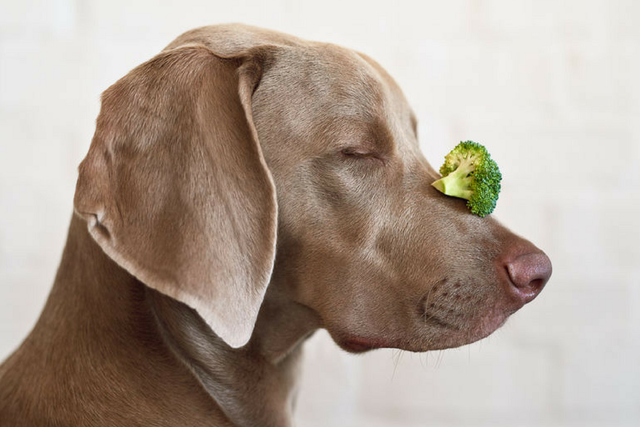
(359, 153)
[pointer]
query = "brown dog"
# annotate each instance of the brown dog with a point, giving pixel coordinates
(243, 189)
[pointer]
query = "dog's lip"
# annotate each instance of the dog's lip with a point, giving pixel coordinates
(457, 334)
(434, 320)
(356, 344)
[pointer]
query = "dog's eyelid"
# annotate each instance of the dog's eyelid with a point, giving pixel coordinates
(362, 153)
(362, 148)
(357, 152)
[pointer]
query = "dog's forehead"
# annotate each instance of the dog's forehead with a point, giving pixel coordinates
(349, 82)
(337, 92)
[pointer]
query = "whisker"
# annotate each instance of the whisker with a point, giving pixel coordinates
(400, 354)
(396, 360)
(440, 358)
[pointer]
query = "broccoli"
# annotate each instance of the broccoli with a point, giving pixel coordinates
(469, 173)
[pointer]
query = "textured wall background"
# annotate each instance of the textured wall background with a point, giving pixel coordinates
(550, 86)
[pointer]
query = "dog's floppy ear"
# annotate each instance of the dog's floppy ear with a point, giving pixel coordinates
(175, 188)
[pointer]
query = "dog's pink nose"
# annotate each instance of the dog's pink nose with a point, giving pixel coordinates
(528, 270)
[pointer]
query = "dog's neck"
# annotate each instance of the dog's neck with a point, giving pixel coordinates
(256, 384)
(117, 328)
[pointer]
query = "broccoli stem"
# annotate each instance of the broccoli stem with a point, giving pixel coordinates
(457, 183)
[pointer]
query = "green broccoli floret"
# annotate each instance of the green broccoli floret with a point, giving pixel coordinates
(469, 173)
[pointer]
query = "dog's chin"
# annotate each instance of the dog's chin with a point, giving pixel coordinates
(441, 336)
(468, 334)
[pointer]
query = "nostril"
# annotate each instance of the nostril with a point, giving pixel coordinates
(534, 287)
(536, 284)
(529, 273)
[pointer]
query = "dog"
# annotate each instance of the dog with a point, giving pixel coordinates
(243, 189)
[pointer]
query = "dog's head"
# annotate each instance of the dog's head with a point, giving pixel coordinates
(239, 157)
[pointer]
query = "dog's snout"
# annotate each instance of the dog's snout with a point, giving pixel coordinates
(528, 270)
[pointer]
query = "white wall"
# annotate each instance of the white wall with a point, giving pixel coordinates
(550, 86)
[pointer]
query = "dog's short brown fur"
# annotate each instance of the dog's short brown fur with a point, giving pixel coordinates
(243, 189)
